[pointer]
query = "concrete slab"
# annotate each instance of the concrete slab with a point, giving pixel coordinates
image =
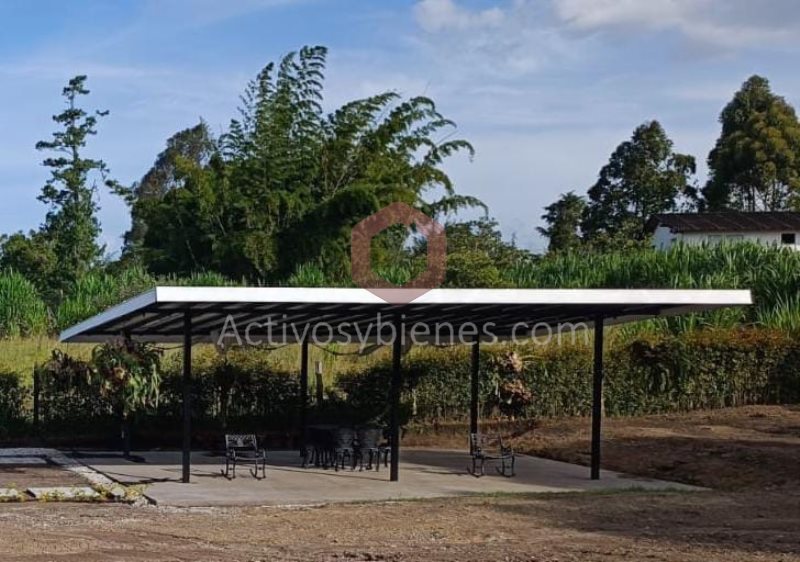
(22, 460)
(423, 474)
(64, 493)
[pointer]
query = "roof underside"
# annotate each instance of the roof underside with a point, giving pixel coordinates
(353, 314)
(730, 221)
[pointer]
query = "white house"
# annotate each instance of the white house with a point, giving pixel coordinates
(768, 228)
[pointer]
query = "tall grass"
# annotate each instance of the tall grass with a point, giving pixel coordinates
(97, 291)
(308, 275)
(772, 273)
(22, 311)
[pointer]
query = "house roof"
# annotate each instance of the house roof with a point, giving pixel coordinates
(159, 315)
(729, 221)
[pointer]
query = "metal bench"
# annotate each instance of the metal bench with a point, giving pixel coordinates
(490, 449)
(244, 448)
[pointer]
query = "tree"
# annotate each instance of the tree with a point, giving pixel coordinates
(643, 176)
(65, 247)
(755, 164)
(477, 255)
(30, 255)
(190, 147)
(290, 181)
(563, 220)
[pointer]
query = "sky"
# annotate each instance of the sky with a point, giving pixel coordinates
(543, 89)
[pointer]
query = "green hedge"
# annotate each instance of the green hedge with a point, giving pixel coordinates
(245, 390)
(15, 405)
(225, 394)
(698, 370)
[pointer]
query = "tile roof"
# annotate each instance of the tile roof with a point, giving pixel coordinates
(729, 221)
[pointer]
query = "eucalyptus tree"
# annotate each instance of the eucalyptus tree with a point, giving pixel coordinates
(644, 176)
(192, 146)
(755, 164)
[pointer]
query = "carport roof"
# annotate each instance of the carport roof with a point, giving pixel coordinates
(158, 315)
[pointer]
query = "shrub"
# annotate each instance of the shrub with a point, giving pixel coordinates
(702, 369)
(14, 403)
(252, 389)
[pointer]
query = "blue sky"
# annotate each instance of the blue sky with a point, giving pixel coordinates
(544, 89)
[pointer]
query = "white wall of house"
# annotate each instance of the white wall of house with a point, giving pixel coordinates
(663, 238)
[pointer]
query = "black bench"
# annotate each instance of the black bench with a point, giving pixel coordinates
(490, 449)
(244, 448)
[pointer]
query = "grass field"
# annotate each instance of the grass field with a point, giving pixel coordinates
(20, 355)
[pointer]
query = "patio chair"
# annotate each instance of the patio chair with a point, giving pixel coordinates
(490, 449)
(244, 448)
(343, 447)
(319, 448)
(384, 450)
(368, 445)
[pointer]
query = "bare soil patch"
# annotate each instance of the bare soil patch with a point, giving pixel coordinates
(752, 447)
(705, 527)
(34, 476)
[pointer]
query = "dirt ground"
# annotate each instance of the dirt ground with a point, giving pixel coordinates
(752, 447)
(750, 454)
(33, 476)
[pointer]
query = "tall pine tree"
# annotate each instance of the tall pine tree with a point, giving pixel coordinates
(65, 246)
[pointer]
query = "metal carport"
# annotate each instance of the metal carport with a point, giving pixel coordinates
(199, 314)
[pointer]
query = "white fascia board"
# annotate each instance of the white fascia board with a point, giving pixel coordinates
(700, 297)
(127, 307)
(227, 295)
(457, 296)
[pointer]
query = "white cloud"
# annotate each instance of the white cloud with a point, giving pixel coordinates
(505, 41)
(436, 15)
(541, 30)
(728, 24)
(589, 14)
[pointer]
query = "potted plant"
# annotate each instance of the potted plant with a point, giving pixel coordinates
(128, 375)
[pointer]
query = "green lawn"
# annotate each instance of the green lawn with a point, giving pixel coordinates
(19, 355)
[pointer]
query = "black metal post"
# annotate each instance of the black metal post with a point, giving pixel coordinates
(37, 388)
(303, 396)
(597, 397)
(474, 386)
(394, 401)
(187, 395)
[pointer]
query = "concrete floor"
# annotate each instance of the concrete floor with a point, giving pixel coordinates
(423, 473)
